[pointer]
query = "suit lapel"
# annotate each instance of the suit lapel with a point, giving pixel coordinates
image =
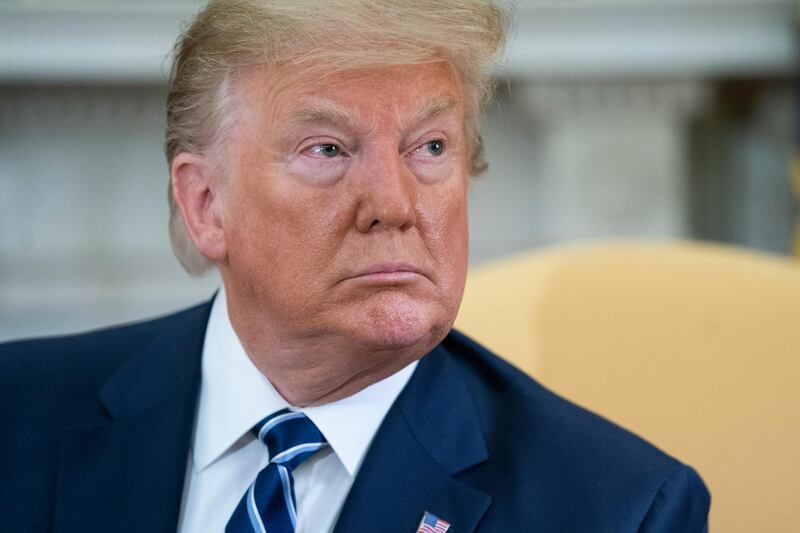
(127, 475)
(430, 434)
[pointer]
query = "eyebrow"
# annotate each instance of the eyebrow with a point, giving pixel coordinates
(333, 114)
(329, 113)
(434, 108)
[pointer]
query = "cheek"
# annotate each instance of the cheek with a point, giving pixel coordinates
(460, 245)
(284, 232)
(444, 226)
(254, 221)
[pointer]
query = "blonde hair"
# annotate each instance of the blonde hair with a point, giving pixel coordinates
(229, 36)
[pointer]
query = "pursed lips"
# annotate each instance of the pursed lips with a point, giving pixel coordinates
(394, 271)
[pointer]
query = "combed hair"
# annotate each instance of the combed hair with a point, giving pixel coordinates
(229, 36)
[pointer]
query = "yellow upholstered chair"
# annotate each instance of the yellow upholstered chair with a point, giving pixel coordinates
(694, 347)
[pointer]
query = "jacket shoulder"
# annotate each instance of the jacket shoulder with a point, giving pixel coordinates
(521, 405)
(45, 373)
(51, 387)
(571, 459)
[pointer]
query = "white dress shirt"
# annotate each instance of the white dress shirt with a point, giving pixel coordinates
(225, 458)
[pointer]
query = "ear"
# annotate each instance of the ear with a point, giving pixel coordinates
(195, 188)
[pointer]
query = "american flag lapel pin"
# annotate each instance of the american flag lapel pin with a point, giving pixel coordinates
(431, 523)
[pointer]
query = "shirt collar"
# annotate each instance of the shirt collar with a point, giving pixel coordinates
(235, 395)
(350, 424)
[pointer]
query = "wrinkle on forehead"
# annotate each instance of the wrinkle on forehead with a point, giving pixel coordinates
(434, 108)
(291, 97)
(323, 111)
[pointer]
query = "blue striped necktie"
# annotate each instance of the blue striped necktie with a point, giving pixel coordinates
(269, 504)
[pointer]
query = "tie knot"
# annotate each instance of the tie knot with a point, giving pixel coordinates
(290, 437)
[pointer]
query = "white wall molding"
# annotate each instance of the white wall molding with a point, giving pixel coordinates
(641, 38)
(672, 99)
(105, 41)
(615, 153)
(79, 42)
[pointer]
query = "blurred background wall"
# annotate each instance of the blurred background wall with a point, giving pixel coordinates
(655, 119)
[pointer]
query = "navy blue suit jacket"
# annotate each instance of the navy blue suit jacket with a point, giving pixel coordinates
(96, 431)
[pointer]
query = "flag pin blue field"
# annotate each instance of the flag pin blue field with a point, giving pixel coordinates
(431, 523)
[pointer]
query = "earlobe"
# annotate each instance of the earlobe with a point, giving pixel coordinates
(194, 189)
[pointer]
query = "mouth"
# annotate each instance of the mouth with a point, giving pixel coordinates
(388, 272)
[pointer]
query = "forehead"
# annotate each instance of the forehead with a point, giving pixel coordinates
(410, 92)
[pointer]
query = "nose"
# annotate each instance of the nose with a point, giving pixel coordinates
(388, 193)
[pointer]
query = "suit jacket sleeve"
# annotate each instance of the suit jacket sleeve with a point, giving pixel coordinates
(680, 505)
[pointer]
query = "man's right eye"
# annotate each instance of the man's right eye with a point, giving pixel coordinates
(325, 150)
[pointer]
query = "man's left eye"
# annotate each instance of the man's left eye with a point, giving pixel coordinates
(435, 147)
(325, 150)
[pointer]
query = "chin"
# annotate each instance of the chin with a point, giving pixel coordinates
(401, 324)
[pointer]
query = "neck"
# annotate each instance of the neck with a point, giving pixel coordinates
(301, 390)
(321, 368)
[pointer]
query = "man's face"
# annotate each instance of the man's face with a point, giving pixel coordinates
(345, 206)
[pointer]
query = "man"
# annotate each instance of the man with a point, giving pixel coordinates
(319, 156)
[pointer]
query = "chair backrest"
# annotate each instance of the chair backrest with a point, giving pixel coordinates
(694, 347)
